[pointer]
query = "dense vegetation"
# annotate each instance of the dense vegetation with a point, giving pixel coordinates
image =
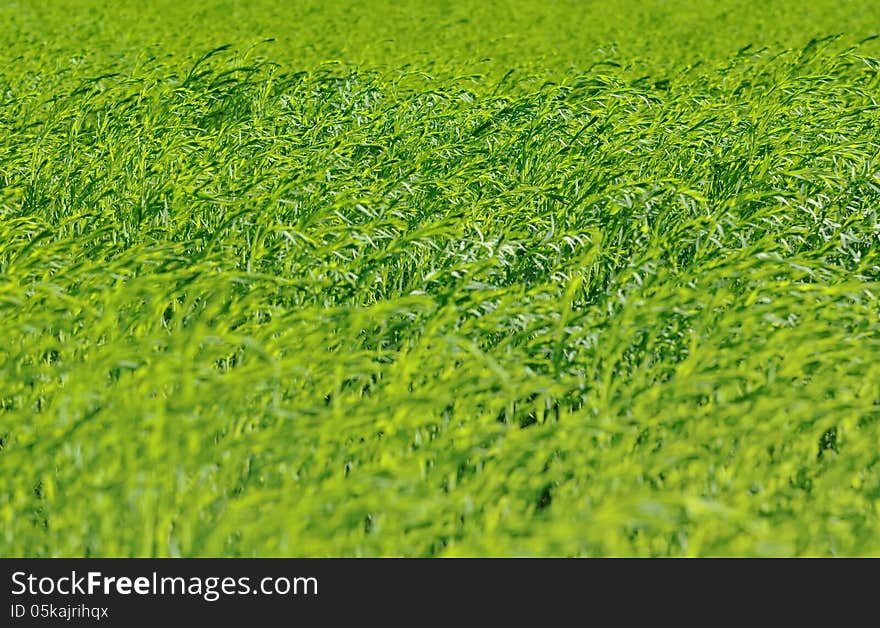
(438, 279)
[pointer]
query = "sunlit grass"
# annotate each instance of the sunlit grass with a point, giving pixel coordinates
(254, 307)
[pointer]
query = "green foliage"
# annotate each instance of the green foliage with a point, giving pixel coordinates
(364, 291)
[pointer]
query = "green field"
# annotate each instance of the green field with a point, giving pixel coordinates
(457, 278)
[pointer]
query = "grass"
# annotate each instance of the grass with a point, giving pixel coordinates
(463, 279)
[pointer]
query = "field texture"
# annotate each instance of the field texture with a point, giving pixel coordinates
(439, 278)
